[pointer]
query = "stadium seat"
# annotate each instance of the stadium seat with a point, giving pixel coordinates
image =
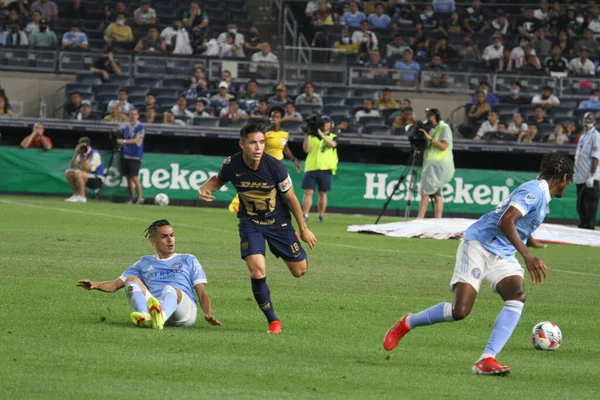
(580, 112)
(401, 131)
(354, 102)
(338, 91)
(146, 81)
(371, 121)
(333, 100)
(336, 109)
(560, 112)
(388, 112)
(506, 108)
(119, 79)
(162, 92)
(88, 78)
(224, 122)
(135, 89)
(365, 94)
(183, 118)
(377, 129)
(307, 109)
(175, 82)
(105, 88)
(211, 122)
(136, 98)
(77, 87)
(291, 126)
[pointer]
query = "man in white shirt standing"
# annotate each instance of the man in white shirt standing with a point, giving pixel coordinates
(233, 29)
(587, 173)
(264, 56)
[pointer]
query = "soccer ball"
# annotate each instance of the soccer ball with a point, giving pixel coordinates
(546, 336)
(161, 199)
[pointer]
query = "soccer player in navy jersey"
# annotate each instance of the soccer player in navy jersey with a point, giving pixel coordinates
(160, 288)
(266, 200)
(487, 252)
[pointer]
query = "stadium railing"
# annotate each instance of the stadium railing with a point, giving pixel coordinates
(316, 73)
(244, 70)
(24, 59)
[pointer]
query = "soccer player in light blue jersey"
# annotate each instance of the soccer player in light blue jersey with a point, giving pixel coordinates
(160, 288)
(487, 252)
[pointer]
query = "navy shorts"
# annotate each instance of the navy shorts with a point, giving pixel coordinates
(320, 178)
(283, 242)
(130, 167)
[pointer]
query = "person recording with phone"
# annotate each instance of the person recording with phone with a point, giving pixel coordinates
(320, 146)
(438, 162)
(86, 171)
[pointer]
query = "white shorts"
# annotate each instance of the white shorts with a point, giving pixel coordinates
(474, 264)
(185, 313)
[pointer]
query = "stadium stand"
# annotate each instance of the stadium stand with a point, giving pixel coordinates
(453, 47)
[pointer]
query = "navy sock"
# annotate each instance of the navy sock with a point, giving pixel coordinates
(262, 295)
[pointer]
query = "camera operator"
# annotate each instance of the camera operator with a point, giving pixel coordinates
(320, 144)
(133, 151)
(438, 163)
(86, 171)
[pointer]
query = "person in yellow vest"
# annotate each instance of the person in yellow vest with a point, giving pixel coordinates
(438, 163)
(319, 167)
(276, 145)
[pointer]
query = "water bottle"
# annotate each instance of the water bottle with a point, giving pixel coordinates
(42, 108)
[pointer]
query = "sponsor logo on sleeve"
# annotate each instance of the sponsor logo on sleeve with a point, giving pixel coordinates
(530, 198)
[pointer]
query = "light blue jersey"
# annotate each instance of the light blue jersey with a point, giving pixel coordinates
(182, 271)
(531, 199)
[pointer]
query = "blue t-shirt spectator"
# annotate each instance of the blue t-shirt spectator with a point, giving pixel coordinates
(71, 38)
(352, 20)
(444, 6)
(411, 69)
(379, 22)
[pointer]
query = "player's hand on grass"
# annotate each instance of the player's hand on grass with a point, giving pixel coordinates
(212, 320)
(205, 194)
(308, 237)
(537, 269)
(87, 285)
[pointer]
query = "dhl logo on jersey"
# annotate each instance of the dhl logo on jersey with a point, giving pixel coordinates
(255, 185)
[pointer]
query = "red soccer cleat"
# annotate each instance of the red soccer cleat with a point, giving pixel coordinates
(490, 366)
(274, 327)
(396, 333)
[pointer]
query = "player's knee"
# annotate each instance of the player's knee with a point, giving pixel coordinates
(460, 312)
(298, 272)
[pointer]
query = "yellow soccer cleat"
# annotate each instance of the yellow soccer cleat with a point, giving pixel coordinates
(142, 320)
(158, 319)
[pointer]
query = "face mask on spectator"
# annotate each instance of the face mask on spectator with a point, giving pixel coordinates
(484, 91)
(514, 91)
(234, 31)
(120, 22)
(498, 44)
(429, 14)
(345, 39)
(579, 20)
(594, 98)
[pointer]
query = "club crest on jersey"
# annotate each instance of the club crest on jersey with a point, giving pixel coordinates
(530, 198)
(177, 266)
(476, 272)
(226, 161)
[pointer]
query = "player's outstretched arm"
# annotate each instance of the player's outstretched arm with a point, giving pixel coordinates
(205, 304)
(535, 266)
(107, 286)
(211, 185)
(294, 206)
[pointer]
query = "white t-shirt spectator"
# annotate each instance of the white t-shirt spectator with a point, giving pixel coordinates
(181, 113)
(362, 113)
(579, 68)
(314, 99)
(359, 37)
(146, 17)
(124, 108)
(515, 130)
(537, 99)
(181, 37)
(491, 52)
(487, 127)
(239, 112)
(239, 38)
(261, 58)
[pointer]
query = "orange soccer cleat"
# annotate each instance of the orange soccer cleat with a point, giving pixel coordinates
(396, 333)
(274, 327)
(490, 366)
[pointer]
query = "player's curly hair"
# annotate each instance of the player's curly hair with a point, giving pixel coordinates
(556, 166)
(151, 230)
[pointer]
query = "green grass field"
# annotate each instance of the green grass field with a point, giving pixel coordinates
(58, 341)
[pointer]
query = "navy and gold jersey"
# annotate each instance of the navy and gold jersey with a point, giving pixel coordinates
(259, 190)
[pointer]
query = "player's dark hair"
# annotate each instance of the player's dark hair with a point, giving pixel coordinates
(249, 129)
(151, 230)
(556, 166)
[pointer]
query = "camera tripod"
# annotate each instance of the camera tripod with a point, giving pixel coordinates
(116, 150)
(411, 169)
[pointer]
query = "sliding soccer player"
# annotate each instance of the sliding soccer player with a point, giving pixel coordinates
(487, 252)
(266, 200)
(160, 288)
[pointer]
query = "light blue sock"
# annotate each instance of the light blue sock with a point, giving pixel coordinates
(168, 301)
(439, 313)
(504, 326)
(136, 297)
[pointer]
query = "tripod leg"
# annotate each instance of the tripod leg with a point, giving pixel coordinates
(401, 179)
